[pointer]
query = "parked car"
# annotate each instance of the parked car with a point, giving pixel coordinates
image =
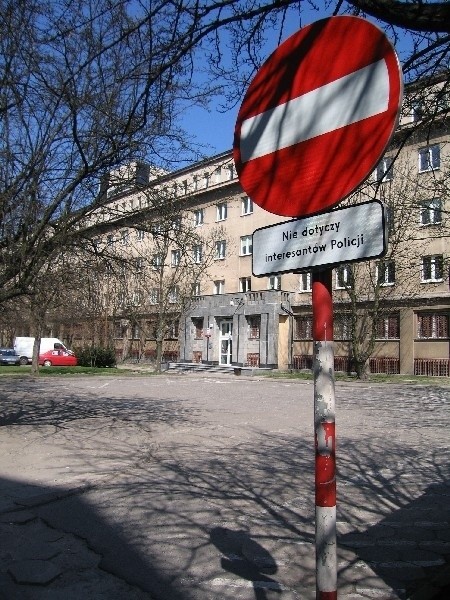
(58, 358)
(8, 356)
(24, 347)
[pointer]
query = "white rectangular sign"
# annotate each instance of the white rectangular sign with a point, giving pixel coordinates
(339, 236)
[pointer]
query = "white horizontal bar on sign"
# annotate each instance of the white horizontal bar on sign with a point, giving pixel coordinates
(352, 98)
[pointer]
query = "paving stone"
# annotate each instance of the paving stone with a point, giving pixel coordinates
(35, 572)
(400, 572)
(160, 510)
(17, 517)
(35, 550)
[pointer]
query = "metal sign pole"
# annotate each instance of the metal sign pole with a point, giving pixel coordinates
(324, 433)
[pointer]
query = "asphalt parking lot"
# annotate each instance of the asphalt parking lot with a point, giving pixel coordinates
(202, 487)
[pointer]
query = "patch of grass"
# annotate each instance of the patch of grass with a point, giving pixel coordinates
(52, 371)
(373, 378)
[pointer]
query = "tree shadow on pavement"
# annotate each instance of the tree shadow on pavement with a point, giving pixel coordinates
(184, 503)
(56, 545)
(409, 548)
(37, 403)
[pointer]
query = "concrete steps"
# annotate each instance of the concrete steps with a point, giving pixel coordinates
(179, 367)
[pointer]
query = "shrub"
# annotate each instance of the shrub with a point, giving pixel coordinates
(96, 356)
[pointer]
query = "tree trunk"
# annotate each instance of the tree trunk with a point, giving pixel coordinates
(362, 367)
(35, 357)
(126, 342)
(159, 355)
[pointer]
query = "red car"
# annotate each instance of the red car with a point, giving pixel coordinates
(58, 358)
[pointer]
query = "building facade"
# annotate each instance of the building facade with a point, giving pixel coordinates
(391, 314)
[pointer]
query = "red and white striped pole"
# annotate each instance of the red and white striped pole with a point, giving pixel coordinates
(324, 432)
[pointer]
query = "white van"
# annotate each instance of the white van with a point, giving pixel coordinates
(24, 347)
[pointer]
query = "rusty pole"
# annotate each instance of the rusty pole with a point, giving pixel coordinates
(324, 433)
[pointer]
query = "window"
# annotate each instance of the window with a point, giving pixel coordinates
(386, 272)
(157, 229)
(135, 332)
(139, 264)
(218, 175)
(173, 294)
(254, 325)
(342, 327)
(195, 182)
(157, 261)
(125, 237)
(176, 257)
(246, 206)
(172, 331)
(431, 212)
(221, 211)
(221, 248)
(274, 282)
(140, 235)
(198, 217)
(417, 111)
(429, 158)
(305, 282)
(246, 245)
(219, 286)
(197, 253)
(196, 288)
(121, 299)
(432, 326)
(206, 178)
(198, 327)
(136, 298)
(385, 171)
(245, 284)
(442, 100)
(110, 240)
(390, 218)
(184, 187)
(231, 172)
(432, 268)
(388, 328)
(118, 330)
(303, 327)
(154, 296)
(152, 330)
(343, 277)
(176, 223)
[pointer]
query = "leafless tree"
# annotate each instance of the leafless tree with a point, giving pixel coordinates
(158, 270)
(373, 291)
(89, 86)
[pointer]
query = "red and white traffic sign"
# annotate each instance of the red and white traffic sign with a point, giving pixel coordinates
(318, 116)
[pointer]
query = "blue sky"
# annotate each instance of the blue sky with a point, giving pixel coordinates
(213, 128)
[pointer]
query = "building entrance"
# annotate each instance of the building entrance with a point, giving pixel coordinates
(225, 341)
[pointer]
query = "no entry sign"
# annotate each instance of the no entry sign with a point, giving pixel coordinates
(318, 116)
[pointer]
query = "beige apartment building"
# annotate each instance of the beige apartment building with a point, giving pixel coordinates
(399, 303)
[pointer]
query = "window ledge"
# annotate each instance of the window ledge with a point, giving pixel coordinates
(425, 281)
(429, 170)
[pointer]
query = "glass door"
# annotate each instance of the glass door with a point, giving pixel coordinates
(226, 342)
